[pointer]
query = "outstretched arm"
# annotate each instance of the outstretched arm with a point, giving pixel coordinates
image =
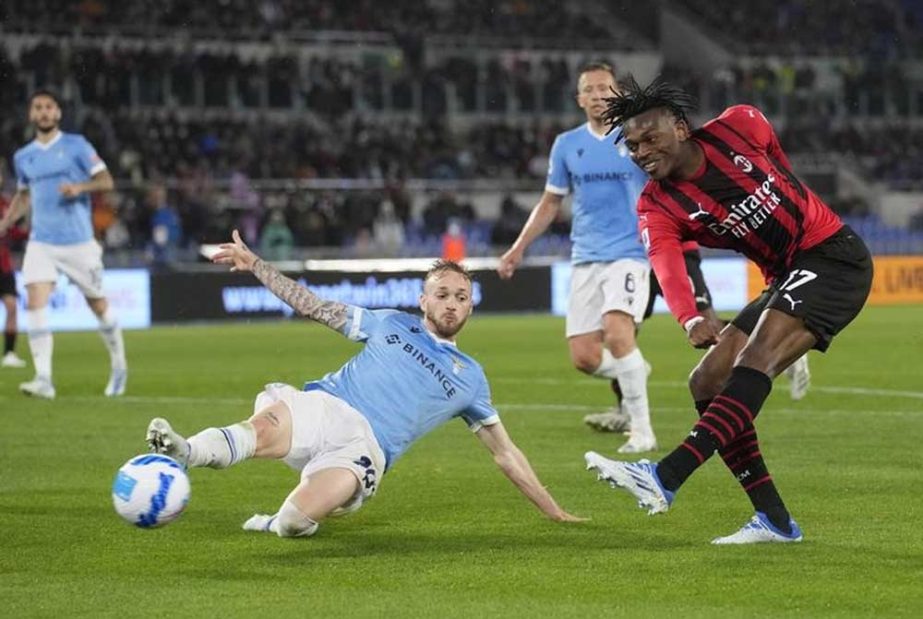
(542, 216)
(516, 467)
(299, 298)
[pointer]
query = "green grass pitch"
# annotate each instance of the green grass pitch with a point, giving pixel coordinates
(448, 535)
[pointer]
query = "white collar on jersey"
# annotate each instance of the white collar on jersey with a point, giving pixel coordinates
(598, 136)
(438, 339)
(50, 143)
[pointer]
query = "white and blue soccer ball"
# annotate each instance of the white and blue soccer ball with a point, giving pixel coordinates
(150, 490)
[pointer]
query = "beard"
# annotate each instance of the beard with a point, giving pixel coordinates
(445, 329)
(46, 126)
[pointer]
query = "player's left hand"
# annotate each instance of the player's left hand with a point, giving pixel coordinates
(236, 253)
(260, 522)
(70, 190)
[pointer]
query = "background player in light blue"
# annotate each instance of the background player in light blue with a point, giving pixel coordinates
(610, 277)
(56, 173)
(345, 430)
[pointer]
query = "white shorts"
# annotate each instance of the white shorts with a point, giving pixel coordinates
(328, 433)
(597, 288)
(82, 263)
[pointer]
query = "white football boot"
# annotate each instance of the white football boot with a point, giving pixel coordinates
(118, 380)
(38, 388)
(638, 478)
(12, 360)
(799, 377)
(162, 439)
(638, 444)
(760, 530)
(612, 420)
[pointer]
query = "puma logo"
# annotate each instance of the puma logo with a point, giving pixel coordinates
(788, 298)
(699, 213)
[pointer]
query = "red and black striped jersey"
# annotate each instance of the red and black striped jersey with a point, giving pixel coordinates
(14, 233)
(745, 197)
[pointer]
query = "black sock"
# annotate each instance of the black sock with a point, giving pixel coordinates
(745, 462)
(9, 341)
(730, 414)
(701, 406)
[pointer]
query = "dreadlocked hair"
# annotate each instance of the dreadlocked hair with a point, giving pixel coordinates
(632, 100)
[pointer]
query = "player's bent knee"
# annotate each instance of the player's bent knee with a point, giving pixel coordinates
(586, 363)
(292, 522)
(273, 428)
(621, 345)
(705, 382)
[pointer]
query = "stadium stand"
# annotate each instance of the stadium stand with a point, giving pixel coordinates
(347, 117)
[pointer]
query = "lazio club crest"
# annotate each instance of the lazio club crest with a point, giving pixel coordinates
(457, 365)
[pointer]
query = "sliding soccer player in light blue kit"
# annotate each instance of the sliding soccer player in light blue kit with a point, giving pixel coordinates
(610, 277)
(56, 173)
(345, 430)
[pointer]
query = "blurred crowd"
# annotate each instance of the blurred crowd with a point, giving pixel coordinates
(185, 124)
(407, 19)
(876, 28)
(165, 221)
(114, 75)
(287, 116)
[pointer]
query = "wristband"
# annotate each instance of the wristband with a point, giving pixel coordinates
(692, 322)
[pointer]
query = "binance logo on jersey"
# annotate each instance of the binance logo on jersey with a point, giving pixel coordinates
(597, 177)
(429, 364)
(394, 338)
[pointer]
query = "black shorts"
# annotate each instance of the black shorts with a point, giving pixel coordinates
(826, 286)
(7, 284)
(699, 288)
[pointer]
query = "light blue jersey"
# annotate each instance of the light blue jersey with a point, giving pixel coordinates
(405, 381)
(42, 169)
(606, 185)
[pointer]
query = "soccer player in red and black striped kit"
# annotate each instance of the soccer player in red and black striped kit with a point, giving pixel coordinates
(729, 185)
(8, 293)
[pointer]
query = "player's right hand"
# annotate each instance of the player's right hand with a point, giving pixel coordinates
(508, 263)
(236, 253)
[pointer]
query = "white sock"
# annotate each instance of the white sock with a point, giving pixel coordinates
(607, 367)
(41, 342)
(111, 333)
(631, 372)
(292, 522)
(219, 448)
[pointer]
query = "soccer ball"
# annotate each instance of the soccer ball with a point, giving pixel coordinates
(150, 490)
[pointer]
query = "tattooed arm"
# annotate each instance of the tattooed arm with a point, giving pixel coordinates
(299, 298)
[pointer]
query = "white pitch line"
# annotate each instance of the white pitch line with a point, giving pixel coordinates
(689, 409)
(896, 393)
(506, 406)
(917, 395)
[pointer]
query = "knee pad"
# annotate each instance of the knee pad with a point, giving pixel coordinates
(292, 522)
